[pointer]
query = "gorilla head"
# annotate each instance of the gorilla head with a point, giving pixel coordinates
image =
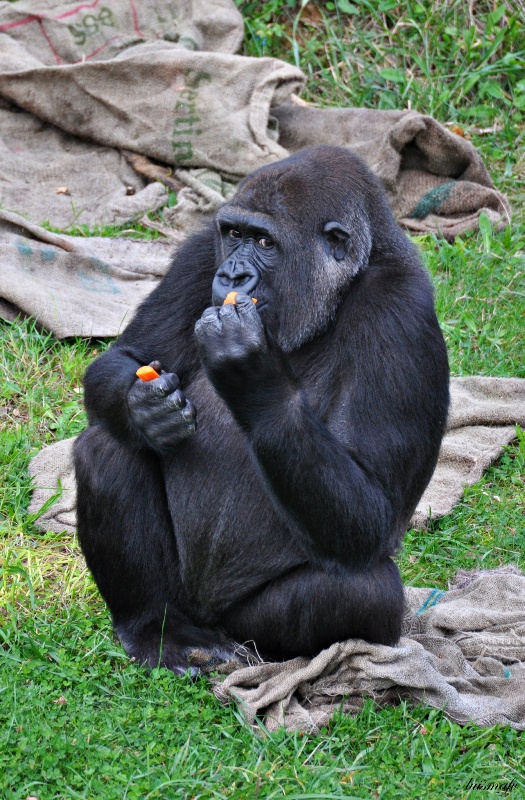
(303, 227)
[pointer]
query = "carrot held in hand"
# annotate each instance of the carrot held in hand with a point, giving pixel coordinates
(230, 299)
(147, 373)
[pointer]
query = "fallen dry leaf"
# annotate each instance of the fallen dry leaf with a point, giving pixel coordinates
(457, 130)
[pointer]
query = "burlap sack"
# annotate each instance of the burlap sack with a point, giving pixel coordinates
(149, 78)
(74, 285)
(463, 652)
(53, 177)
(436, 181)
(156, 78)
(185, 104)
(71, 31)
(482, 419)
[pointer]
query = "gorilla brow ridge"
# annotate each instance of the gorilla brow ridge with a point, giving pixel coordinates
(240, 216)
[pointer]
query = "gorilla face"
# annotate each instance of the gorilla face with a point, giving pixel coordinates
(292, 243)
(250, 251)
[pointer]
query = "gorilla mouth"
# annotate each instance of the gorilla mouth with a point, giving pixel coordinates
(258, 303)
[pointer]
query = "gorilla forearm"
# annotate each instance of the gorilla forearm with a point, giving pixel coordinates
(162, 329)
(106, 385)
(338, 504)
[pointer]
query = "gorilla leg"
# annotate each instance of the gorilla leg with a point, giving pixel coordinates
(310, 608)
(126, 535)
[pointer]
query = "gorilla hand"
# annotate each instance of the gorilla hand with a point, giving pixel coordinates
(161, 412)
(231, 337)
(249, 374)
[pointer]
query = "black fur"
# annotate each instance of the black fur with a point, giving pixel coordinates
(270, 503)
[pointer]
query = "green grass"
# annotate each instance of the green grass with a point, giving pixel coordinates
(77, 718)
(454, 59)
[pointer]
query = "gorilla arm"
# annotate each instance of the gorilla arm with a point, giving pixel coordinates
(341, 510)
(155, 415)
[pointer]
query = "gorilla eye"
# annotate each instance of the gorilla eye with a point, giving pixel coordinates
(234, 234)
(265, 242)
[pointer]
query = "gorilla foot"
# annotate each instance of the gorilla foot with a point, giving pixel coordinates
(182, 649)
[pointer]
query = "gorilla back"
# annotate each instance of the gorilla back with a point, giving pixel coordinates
(261, 485)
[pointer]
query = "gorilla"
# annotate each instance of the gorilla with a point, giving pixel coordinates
(256, 490)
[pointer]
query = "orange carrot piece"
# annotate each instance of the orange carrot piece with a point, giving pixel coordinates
(146, 373)
(229, 300)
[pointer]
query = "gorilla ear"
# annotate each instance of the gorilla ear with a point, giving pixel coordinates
(337, 238)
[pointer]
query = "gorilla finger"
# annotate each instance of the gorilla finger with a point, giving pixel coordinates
(229, 310)
(187, 430)
(244, 302)
(210, 316)
(247, 310)
(166, 384)
(179, 409)
(156, 365)
(140, 394)
(189, 412)
(175, 400)
(148, 392)
(204, 330)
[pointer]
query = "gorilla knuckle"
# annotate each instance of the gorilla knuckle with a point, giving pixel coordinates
(165, 385)
(189, 412)
(175, 400)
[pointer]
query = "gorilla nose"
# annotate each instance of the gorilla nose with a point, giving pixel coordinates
(223, 284)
